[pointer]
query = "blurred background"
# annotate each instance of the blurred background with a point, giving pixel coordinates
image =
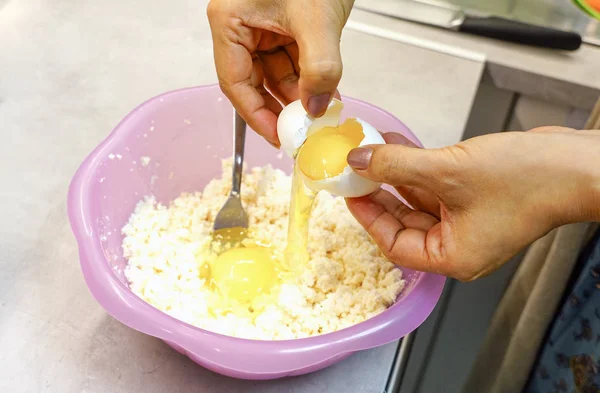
(561, 14)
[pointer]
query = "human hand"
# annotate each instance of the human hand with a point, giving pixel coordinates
(272, 52)
(477, 203)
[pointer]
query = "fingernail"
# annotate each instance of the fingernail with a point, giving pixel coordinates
(359, 158)
(393, 138)
(317, 105)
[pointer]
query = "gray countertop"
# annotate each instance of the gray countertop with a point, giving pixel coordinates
(567, 78)
(69, 71)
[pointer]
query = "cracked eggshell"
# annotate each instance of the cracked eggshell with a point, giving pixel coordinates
(294, 124)
(349, 184)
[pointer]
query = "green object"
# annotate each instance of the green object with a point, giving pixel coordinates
(587, 8)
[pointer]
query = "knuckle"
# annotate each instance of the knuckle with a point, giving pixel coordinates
(225, 87)
(402, 212)
(464, 278)
(393, 257)
(463, 269)
(223, 15)
(454, 162)
(458, 154)
(450, 268)
(552, 129)
(213, 9)
(390, 168)
(470, 275)
(462, 274)
(543, 129)
(288, 79)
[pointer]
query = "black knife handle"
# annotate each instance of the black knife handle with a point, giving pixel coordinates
(521, 33)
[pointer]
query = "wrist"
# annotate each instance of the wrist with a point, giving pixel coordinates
(582, 194)
(591, 207)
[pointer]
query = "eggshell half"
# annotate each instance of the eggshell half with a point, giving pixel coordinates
(294, 124)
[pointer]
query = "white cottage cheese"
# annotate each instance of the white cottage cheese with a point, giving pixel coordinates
(346, 281)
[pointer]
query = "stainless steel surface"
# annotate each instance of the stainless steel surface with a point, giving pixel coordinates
(239, 139)
(429, 13)
(560, 14)
(400, 363)
(232, 214)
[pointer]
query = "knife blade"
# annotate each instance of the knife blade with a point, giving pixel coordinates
(454, 18)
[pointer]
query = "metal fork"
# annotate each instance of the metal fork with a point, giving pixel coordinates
(232, 221)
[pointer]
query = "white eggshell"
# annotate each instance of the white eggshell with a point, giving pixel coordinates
(294, 124)
(349, 184)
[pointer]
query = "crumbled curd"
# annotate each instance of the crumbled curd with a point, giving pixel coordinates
(346, 281)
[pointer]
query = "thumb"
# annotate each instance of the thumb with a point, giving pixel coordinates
(398, 165)
(320, 62)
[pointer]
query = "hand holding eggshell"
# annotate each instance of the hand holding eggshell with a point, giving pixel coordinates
(284, 50)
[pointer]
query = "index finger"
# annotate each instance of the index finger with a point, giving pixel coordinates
(234, 65)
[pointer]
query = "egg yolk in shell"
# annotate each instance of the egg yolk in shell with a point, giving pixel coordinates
(243, 273)
(323, 154)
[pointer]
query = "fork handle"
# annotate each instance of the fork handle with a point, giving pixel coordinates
(239, 139)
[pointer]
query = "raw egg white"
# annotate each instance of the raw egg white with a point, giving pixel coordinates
(321, 145)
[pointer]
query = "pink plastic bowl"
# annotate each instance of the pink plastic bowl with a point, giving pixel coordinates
(186, 133)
